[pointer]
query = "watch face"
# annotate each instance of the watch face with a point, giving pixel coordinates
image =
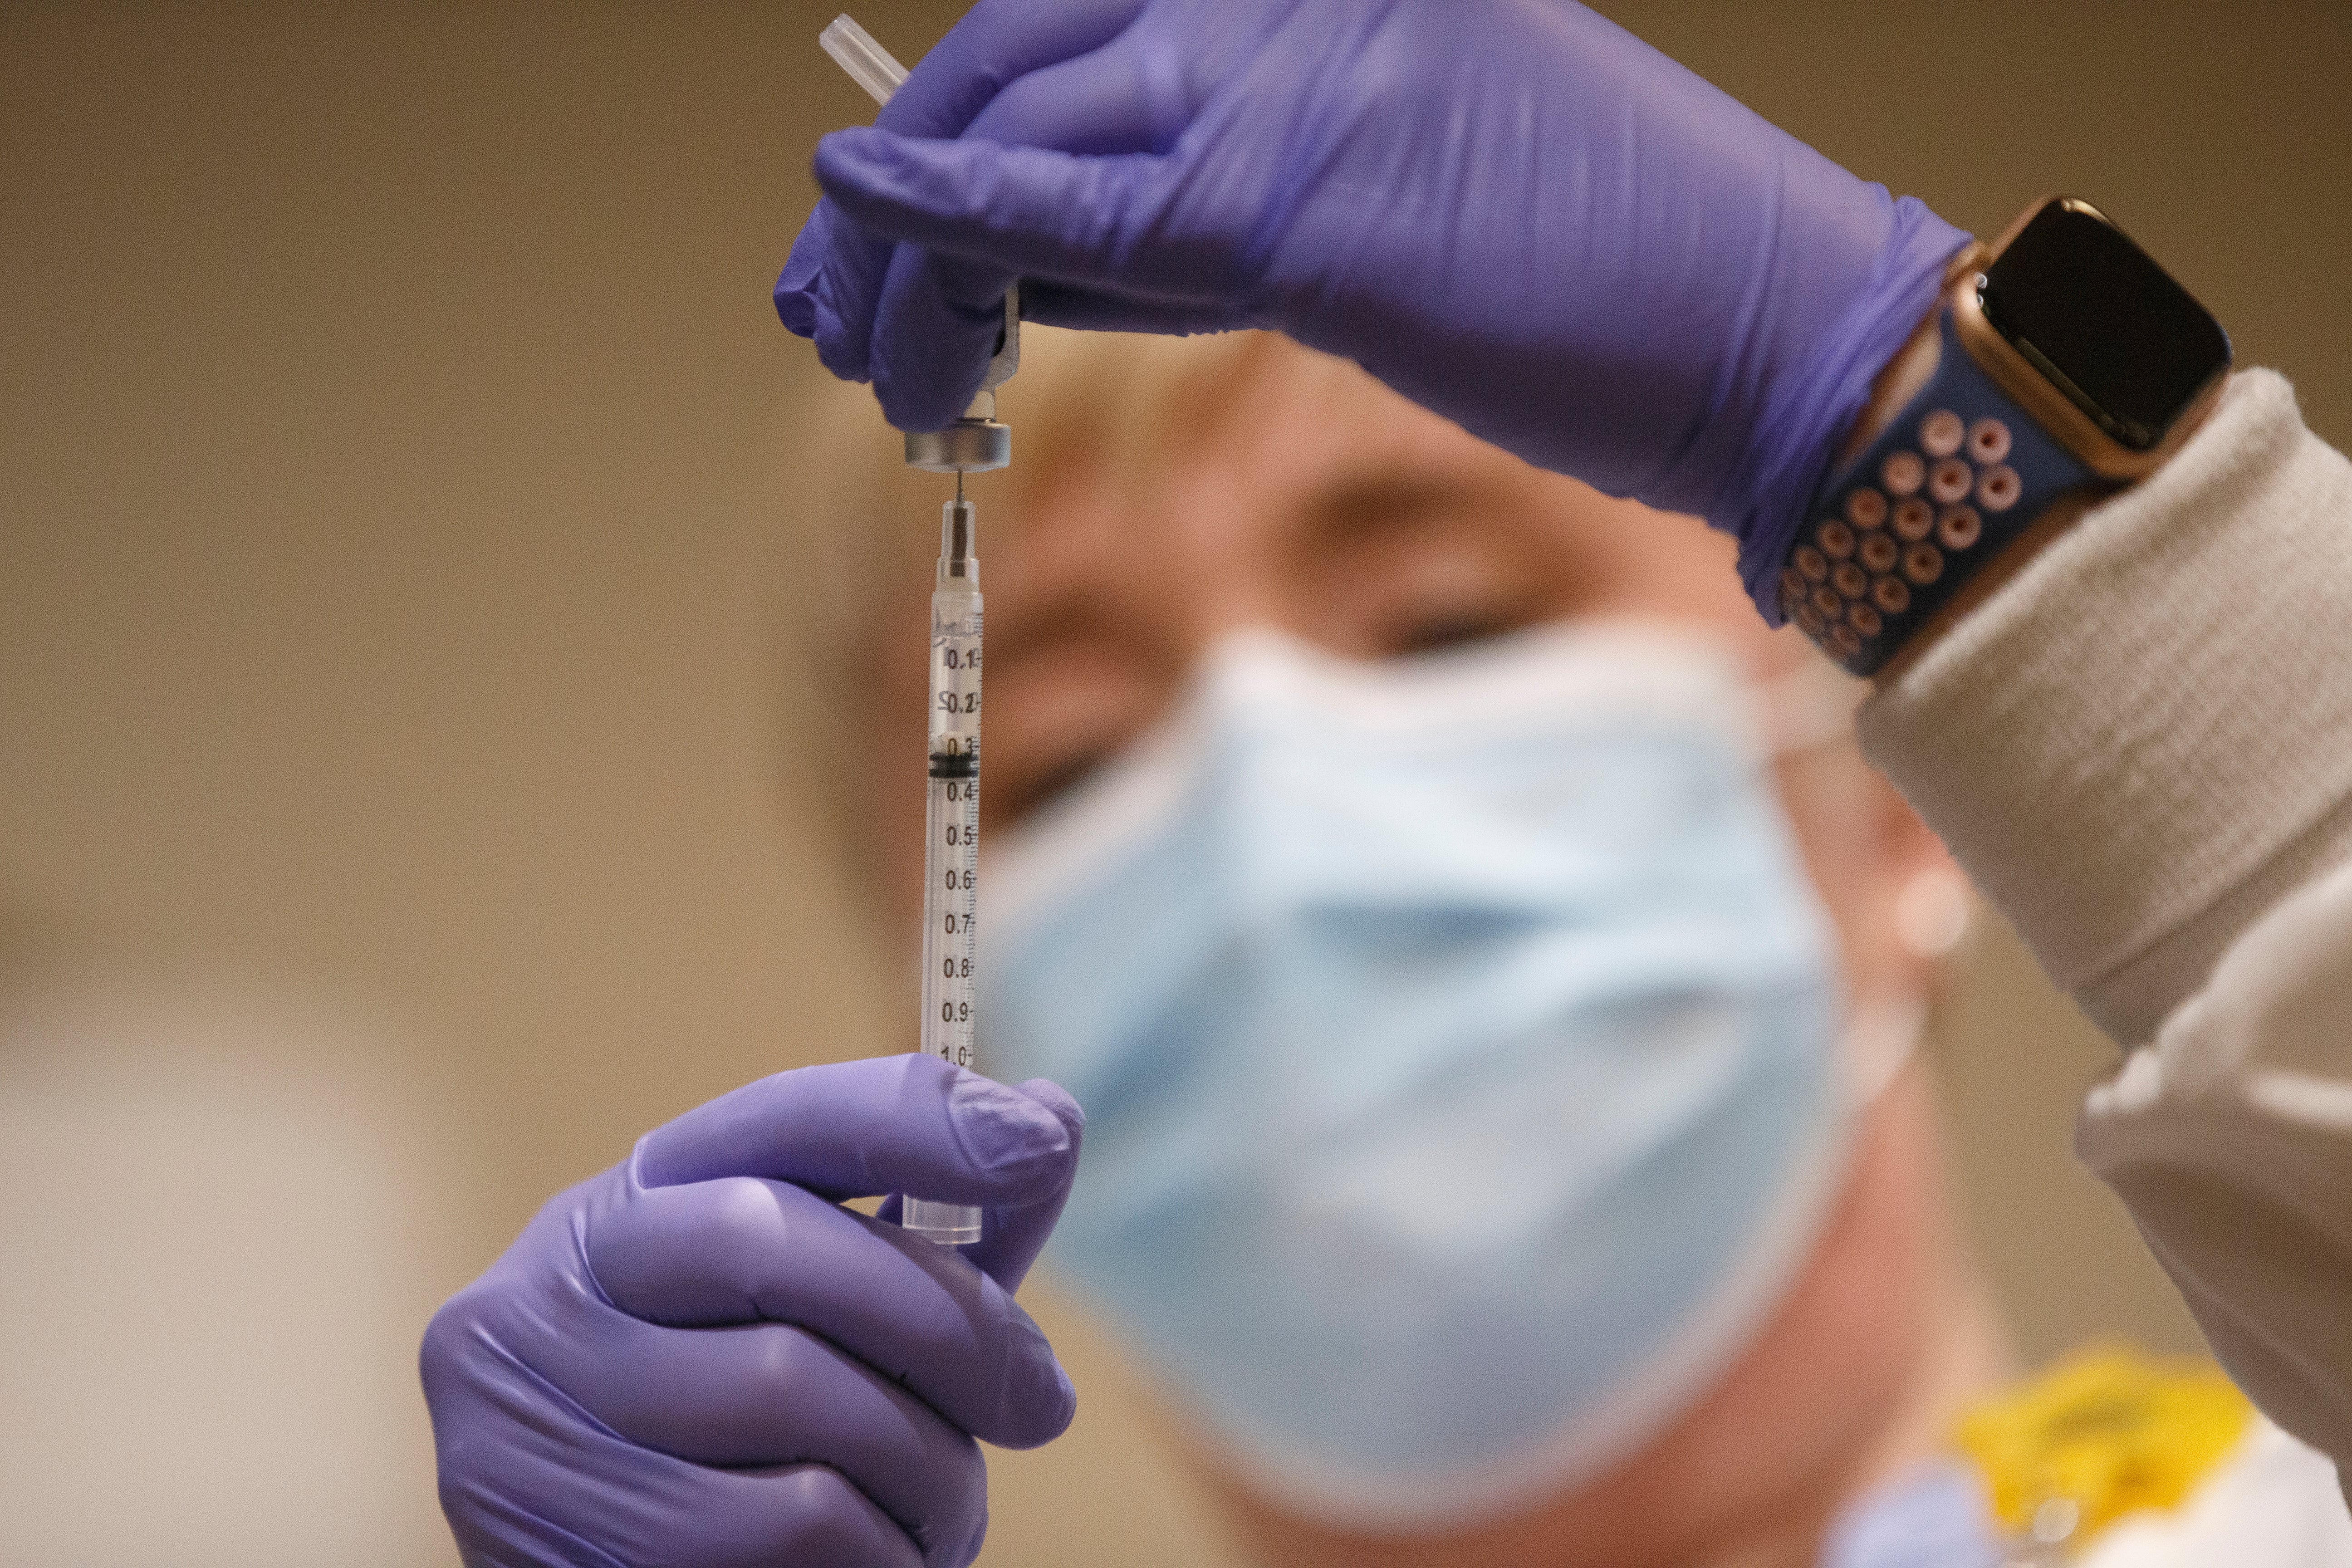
(2109, 327)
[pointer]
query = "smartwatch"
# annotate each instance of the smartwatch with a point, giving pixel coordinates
(2069, 362)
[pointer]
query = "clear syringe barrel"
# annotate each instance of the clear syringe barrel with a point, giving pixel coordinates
(951, 837)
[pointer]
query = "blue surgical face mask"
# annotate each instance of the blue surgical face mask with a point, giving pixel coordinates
(1457, 1037)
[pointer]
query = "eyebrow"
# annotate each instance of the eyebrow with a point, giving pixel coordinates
(1366, 503)
(1067, 611)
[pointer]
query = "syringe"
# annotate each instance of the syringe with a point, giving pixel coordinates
(973, 444)
(952, 833)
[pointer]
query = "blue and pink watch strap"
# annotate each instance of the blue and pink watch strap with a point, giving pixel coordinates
(1892, 536)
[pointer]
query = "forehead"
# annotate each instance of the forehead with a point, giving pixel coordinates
(1273, 422)
(1260, 458)
(1302, 416)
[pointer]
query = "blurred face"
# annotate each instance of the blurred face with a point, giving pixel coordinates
(1317, 503)
(1321, 505)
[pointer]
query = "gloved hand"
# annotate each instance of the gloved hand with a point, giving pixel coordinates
(1511, 211)
(699, 1358)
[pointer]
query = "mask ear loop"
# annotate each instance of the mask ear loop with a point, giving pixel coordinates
(1807, 708)
(1932, 920)
(1932, 915)
(1878, 1043)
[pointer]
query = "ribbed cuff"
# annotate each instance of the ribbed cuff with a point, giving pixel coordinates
(2145, 739)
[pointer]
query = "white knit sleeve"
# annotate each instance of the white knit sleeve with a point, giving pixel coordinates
(2141, 748)
(2145, 739)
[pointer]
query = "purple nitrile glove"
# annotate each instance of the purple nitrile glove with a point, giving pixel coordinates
(1511, 211)
(699, 1358)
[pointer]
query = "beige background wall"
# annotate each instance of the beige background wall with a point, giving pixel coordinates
(402, 793)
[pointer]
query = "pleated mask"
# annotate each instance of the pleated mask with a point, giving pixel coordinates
(1460, 1040)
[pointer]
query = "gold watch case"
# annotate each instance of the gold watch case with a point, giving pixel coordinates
(2025, 382)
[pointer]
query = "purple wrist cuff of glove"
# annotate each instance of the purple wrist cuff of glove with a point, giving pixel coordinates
(1794, 442)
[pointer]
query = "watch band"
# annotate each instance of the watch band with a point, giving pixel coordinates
(1956, 476)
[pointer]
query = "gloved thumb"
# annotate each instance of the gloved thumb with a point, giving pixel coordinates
(1012, 1237)
(904, 1123)
(829, 288)
(1022, 210)
(940, 322)
(891, 1124)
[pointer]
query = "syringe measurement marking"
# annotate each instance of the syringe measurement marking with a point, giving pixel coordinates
(954, 837)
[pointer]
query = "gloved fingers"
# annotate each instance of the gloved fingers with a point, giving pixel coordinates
(830, 286)
(533, 1482)
(1010, 1239)
(740, 1251)
(818, 1516)
(937, 318)
(1054, 304)
(997, 42)
(936, 322)
(935, 326)
(1108, 102)
(904, 1123)
(1031, 211)
(768, 1395)
(831, 283)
